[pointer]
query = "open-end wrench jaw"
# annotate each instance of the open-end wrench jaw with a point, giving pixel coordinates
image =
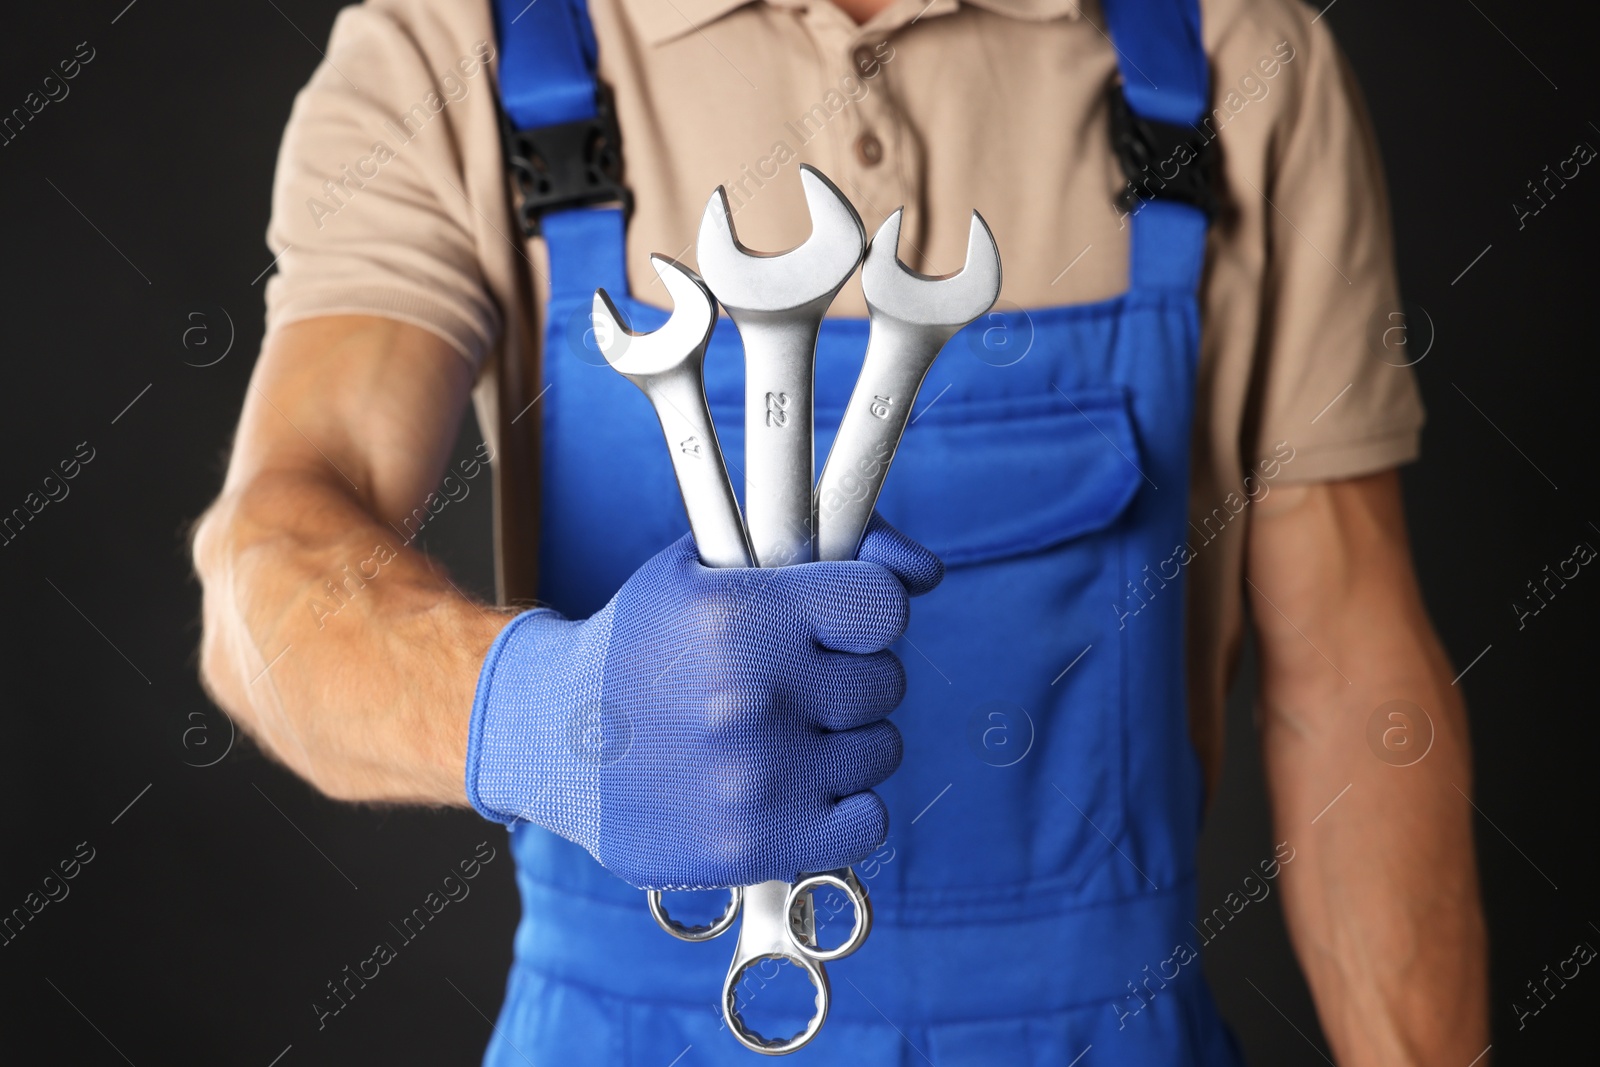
(667, 365)
(777, 302)
(809, 273)
(913, 316)
(682, 337)
(948, 300)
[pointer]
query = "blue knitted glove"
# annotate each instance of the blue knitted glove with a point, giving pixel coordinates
(707, 727)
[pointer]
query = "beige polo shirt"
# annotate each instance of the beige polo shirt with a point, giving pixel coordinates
(391, 198)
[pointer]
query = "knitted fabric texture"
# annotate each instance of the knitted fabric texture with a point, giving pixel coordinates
(707, 727)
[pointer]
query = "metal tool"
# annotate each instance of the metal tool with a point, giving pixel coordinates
(777, 301)
(780, 924)
(913, 315)
(667, 366)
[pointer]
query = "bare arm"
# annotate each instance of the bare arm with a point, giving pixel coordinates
(1382, 899)
(346, 429)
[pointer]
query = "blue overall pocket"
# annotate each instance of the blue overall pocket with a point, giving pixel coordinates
(983, 480)
(1012, 787)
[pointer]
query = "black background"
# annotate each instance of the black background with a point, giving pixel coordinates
(221, 901)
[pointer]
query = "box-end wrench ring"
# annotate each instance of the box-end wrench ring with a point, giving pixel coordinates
(780, 924)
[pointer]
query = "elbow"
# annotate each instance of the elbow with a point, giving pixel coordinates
(207, 555)
(231, 548)
(237, 550)
(229, 659)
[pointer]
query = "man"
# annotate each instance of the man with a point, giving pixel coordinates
(1033, 900)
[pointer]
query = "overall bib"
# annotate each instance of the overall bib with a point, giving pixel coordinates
(1035, 895)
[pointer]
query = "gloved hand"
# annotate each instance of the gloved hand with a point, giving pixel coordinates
(707, 727)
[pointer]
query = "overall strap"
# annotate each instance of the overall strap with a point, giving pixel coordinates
(562, 144)
(547, 61)
(1170, 164)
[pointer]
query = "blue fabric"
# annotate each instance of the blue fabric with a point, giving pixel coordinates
(1035, 893)
(706, 727)
(547, 61)
(1160, 56)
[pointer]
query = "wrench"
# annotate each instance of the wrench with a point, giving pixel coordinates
(667, 366)
(777, 301)
(913, 315)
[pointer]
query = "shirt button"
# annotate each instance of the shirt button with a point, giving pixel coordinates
(869, 150)
(866, 61)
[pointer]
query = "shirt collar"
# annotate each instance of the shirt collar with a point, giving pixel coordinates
(662, 20)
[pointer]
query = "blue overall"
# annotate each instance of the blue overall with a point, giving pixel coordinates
(1035, 895)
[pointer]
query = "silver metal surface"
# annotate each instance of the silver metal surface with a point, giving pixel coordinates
(715, 928)
(777, 301)
(771, 931)
(668, 367)
(913, 315)
(846, 882)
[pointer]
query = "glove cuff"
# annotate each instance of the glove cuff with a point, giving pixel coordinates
(511, 637)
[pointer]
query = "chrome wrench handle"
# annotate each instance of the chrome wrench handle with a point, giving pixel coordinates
(697, 462)
(913, 316)
(778, 301)
(668, 367)
(869, 436)
(779, 356)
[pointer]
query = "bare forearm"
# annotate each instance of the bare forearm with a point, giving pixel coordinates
(1382, 899)
(347, 655)
(1369, 766)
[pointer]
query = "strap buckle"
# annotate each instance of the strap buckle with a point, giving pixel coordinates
(1162, 160)
(566, 165)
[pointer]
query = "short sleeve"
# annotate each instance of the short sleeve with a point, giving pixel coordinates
(369, 207)
(1328, 386)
